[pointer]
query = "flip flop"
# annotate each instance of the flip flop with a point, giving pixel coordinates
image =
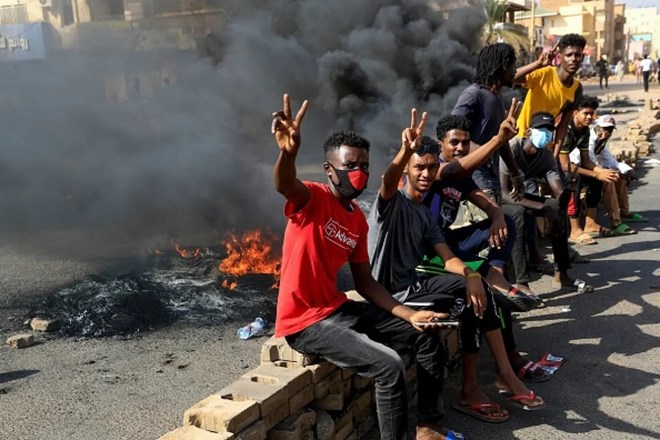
(583, 238)
(532, 372)
(515, 300)
(578, 286)
(635, 218)
(602, 232)
(624, 229)
(480, 411)
(517, 399)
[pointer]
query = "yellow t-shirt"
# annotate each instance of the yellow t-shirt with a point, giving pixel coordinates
(545, 93)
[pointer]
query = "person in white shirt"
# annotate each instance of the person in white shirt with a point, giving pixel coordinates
(647, 65)
(615, 193)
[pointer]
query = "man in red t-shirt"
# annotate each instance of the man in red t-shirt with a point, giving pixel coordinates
(326, 229)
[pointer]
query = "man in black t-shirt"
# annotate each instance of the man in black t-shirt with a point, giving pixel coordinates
(603, 69)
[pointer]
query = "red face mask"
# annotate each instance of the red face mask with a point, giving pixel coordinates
(351, 182)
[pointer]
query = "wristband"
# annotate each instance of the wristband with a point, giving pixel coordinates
(473, 274)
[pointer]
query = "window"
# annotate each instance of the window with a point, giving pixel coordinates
(13, 14)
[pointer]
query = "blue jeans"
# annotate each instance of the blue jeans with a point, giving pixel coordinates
(353, 336)
(467, 241)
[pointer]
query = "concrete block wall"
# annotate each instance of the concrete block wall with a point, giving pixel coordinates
(292, 396)
(636, 141)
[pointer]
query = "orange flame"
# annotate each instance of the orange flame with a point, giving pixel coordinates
(251, 253)
(184, 253)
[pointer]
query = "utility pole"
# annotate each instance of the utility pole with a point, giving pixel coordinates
(532, 31)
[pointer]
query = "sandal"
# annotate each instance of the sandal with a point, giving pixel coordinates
(577, 286)
(602, 232)
(517, 399)
(634, 218)
(532, 372)
(483, 411)
(515, 300)
(624, 229)
(583, 238)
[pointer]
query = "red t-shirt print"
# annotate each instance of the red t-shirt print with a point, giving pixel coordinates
(319, 239)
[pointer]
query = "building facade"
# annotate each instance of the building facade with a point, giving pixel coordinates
(642, 31)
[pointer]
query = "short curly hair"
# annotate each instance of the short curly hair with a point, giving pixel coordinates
(451, 122)
(348, 138)
(573, 40)
(587, 102)
(428, 145)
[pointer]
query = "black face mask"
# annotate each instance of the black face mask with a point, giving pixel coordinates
(351, 182)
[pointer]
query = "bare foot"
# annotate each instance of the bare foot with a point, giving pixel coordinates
(512, 384)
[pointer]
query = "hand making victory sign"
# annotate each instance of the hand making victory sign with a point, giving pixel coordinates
(287, 135)
(287, 130)
(546, 58)
(411, 137)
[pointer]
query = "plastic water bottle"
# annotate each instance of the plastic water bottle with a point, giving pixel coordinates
(255, 328)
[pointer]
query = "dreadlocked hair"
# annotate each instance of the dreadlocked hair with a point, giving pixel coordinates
(492, 61)
(587, 102)
(572, 40)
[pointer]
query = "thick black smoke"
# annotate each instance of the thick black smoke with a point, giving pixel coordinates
(196, 156)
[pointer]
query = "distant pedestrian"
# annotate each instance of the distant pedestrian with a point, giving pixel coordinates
(603, 69)
(620, 70)
(646, 65)
(637, 68)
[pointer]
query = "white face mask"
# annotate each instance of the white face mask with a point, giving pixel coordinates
(541, 137)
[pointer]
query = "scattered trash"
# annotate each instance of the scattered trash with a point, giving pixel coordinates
(255, 328)
(243, 365)
(566, 309)
(551, 363)
(653, 162)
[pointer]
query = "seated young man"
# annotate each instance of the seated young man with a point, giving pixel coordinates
(615, 194)
(536, 161)
(454, 184)
(586, 170)
(326, 229)
(401, 231)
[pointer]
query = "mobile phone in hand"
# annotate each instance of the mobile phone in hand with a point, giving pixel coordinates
(439, 322)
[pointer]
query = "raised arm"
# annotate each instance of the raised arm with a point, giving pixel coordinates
(544, 60)
(565, 120)
(411, 139)
(287, 134)
(467, 164)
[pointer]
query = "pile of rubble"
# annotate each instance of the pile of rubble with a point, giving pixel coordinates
(636, 141)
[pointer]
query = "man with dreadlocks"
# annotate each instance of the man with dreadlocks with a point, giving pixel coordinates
(482, 104)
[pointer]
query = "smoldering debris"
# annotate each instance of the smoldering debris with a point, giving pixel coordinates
(176, 289)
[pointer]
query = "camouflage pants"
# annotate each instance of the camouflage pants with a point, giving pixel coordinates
(472, 214)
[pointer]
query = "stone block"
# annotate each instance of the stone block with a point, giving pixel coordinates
(44, 325)
(295, 378)
(320, 370)
(346, 374)
(277, 349)
(321, 389)
(20, 341)
(347, 388)
(343, 426)
(334, 382)
(256, 431)
(194, 433)
(270, 394)
(222, 415)
(331, 402)
(352, 436)
(360, 382)
(308, 434)
(292, 428)
(301, 398)
(360, 403)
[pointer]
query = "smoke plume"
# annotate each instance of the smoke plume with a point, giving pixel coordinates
(196, 155)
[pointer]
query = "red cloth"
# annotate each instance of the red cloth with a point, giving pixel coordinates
(572, 209)
(319, 239)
